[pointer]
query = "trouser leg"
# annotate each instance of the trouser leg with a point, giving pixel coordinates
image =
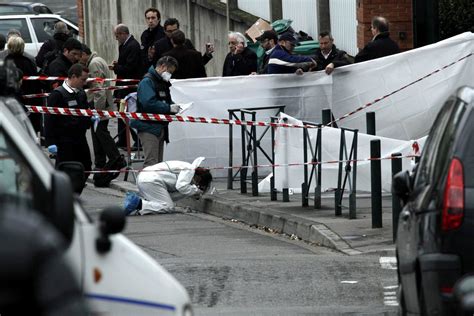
(152, 148)
(155, 198)
(104, 145)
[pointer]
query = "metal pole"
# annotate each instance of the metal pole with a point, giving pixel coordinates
(317, 189)
(370, 121)
(352, 195)
(338, 192)
(243, 171)
(396, 205)
(376, 181)
(305, 185)
(254, 147)
(273, 192)
(231, 154)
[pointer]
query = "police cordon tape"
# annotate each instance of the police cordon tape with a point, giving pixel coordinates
(50, 78)
(44, 95)
(398, 90)
(155, 117)
(311, 163)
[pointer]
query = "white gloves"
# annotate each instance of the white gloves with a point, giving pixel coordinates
(175, 108)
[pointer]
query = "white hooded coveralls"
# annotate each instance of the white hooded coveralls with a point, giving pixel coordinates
(170, 182)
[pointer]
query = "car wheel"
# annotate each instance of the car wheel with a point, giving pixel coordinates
(402, 309)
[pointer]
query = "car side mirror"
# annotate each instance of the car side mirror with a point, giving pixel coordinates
(111, 221)
(464, 293)
(402, 185)
(75, 171)
(61, 212)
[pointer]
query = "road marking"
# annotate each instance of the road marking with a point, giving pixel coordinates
(388, 263)
(349, 282)
(391, 287)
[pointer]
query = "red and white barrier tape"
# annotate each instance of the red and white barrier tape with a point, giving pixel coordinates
(44, 95)
(50, 78)
(398, 90)
(260, 166)
(156, 117)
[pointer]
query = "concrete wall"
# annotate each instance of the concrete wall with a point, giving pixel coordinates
(208, 24)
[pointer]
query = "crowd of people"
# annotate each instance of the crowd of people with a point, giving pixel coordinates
(164, 53)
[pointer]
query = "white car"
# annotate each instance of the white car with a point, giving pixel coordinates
(116, 276)
(35, 28)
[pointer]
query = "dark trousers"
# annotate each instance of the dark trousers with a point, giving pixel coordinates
(104, 145)
(122, 141)
(75, 150)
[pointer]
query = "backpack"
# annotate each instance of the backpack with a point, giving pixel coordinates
(50, 56)
(102, 180)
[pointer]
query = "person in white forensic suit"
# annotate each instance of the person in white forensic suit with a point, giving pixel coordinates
(160, 185)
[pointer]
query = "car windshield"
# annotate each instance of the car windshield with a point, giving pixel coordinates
(18, 110)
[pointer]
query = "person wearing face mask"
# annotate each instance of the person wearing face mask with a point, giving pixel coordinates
(241, 60)
(153, 96)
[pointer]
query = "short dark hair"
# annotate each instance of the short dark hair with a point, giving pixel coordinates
(205, 178)
(3, 41)
(158, 14)
(168, 61)
(178, 37)
(71, 44)
(171, 21)
(76, 70)
(86, 49)
(325, 33)
(380, 23)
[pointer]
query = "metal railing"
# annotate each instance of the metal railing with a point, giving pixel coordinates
(315, 173)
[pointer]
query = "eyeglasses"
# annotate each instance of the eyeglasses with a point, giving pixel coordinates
(233, 43)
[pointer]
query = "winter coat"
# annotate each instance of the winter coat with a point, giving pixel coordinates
(164, 45)
(148, 39)
(282, 62)
(55, 43)
(241, 64)
(337, 57)
(189, 63)
(98, 68)
(153, 96)
(382, 45)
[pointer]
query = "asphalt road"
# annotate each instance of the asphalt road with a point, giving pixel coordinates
(231, 269)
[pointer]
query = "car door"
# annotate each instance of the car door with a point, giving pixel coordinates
(413, 231)
(44, 27)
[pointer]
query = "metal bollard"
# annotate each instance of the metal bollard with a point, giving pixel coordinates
(273, 191)
(396, 205)
(376, 183)
(304, 194)
(370, 121)
(286, 195)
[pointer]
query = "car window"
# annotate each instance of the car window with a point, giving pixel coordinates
(19, 24)
(437, 150)
(9, 9)
(16, 178)
(44, 28)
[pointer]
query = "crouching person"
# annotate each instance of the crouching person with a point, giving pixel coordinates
(163, 183)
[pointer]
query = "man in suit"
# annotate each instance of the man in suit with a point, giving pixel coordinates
(128, 66)
(164, 45)
(268, 40)
(151, 35)
(189, 60)
(328, 56)
(381, 44)
(241, 60)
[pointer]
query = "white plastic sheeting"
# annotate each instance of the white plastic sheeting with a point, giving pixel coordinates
(405, 115)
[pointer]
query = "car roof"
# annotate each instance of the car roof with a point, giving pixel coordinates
(35, 16)
(29, 5)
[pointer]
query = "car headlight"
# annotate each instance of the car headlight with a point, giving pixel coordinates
(188, 310)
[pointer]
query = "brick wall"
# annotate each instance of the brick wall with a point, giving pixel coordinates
(399, 14)
(80, 17)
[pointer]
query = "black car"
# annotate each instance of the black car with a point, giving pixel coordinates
(435, 236)
(23, 8)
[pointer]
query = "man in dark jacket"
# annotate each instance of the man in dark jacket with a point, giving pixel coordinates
(283, 62)
(153, 96)
(268, 40)
(151, 35)
(68, 133)
(72, 52)
(381, 44)
(35, 278)
(189, 60)
(328, 56)
(128, 66)
(241, 60)
(50, 46)
(164, 45)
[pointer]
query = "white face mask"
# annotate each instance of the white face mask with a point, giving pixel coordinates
(166, 76)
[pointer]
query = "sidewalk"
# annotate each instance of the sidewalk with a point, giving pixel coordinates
(321, 227)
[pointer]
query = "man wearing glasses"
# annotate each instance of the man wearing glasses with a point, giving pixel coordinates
(241, 60)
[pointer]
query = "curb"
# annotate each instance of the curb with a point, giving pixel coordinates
(312, 232)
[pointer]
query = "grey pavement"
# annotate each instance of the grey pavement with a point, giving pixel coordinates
(318, 226)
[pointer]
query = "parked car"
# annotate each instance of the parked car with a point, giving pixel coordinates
(116, 276)
(23, 8)
(435, 233)
(35, 28)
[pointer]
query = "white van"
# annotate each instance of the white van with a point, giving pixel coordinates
(116, 276)
(35, 28)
